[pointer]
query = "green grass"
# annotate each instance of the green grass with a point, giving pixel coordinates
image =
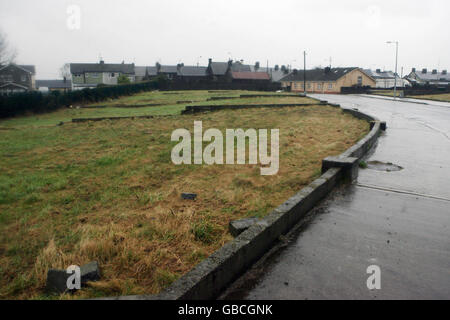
(167, 99)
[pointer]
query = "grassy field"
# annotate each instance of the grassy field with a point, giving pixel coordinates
(168, 106)
(108, 191)
(445, 97)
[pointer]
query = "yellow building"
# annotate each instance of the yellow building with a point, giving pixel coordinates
(328, 80)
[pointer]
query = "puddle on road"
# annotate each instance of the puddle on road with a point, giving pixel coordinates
(383, 166)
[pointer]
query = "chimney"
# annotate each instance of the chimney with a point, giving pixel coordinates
(179, 66)
(209, 61)
(444, 72)
(434, 71)
(327, 70)
(230, 63)
(102, 62)
(65, 79)
(378, 70)
(413, 70)
(424, 70)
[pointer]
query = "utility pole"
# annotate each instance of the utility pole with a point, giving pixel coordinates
(396, 62)
(304, 72)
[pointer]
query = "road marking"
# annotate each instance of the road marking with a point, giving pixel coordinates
(400, 191)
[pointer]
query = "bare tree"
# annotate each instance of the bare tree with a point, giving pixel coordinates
(7, 55)
(64, 71)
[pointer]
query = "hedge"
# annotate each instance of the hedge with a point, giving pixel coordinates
(36, 102)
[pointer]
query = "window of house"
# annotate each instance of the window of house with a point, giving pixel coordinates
(94, 75)
(309, 85)
(6, 78)
(319, 86)
(330, 86)
(23, 78)
(113, 75)
(359, 80)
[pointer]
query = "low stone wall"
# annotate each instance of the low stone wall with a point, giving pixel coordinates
(209, 108)
(215, 273)
(110, 118)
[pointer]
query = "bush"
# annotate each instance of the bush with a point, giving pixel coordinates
(123, 79)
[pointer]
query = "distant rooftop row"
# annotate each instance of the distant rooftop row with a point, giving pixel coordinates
(18, 78)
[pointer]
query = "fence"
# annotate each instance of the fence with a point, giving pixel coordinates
(212, 85)
(355, 90)
(425, 89)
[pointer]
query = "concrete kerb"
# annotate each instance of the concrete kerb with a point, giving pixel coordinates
(216, 272)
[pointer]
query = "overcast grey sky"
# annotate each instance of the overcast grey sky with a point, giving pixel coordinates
(351, 32)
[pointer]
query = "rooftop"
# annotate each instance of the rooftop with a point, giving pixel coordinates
(192, 71)
(55, 84)
(76, 68)
(29, 68)
(378, 74)
(142, 71)
(430, 76)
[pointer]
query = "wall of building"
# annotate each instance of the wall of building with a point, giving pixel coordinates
(313, 86)
(389, 83)
(351, 79)
(110, 77)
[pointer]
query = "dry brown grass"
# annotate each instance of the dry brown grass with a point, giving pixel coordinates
(116, 196)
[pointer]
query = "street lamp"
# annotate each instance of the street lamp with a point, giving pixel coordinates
(304, 72)
(396, 61)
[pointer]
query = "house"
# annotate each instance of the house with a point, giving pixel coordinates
(145, 73)
(328, 80)
(191, 73)
(425, 77)
(54, 85)
(17, 78)
(217, 71)
(170, 72)
(386, 79)
(222, 71)
(276, 74)
(90, 75)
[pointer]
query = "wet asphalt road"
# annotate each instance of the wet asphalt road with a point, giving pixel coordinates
(398, 220)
